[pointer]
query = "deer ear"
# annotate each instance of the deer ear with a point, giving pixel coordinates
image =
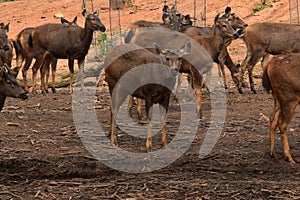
(84, 12)
(216, 18)
(63, 20)
(228, 10)
(96, 13)
(75, 20)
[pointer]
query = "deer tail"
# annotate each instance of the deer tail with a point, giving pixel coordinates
(129, 35)
(266, 80)
(30, 43)
(18, 46)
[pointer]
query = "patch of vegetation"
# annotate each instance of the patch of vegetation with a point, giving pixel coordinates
(260, 5)
(6, 0)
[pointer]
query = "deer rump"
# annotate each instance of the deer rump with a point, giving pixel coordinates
(281, 76)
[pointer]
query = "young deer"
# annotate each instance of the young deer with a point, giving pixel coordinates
(128, 58)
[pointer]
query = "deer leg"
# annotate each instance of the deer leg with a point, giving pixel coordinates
(163, 110)
(35, 68)
(81, 70)
(113, 138)
(46, 78)
(273, 126)
(148, 105)
(130, 105)
(197, 83)
(47, 57)
(287, 111)
(265, 60)
(139, 108)
(71, 69)
(24, 73)
(53, 73)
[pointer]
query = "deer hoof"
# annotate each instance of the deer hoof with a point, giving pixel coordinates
(53, 90)
(241, 91)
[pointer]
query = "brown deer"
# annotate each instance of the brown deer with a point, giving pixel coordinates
(281, 75)
(267, 38)
(24, 53)
(9, 86)
(128, 58)
(63, 42)
(237, 24)
(6, 52)
(200, 59)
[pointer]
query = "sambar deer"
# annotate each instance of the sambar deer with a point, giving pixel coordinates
(237, 24)
(63, 42)
(199, 58)
(6, 56)
(267, 38)
(155, 74)
(26, 54)
(281, 75)
(9, 86)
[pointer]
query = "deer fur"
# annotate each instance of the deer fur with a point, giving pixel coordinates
(127, 59)
(26, 54)
(201, 61)
(9, 86)
(64, 42)
(267, 38)
(281, 75)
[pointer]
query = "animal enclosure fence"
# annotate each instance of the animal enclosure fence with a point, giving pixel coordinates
(117, 10)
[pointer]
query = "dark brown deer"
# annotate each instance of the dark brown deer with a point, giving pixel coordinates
(6, 49)
(63, 42)
(26, 54)
(213, 45)
(9, 86)
(267, 38)
(128, 58)
(6, 56)
(281, 75)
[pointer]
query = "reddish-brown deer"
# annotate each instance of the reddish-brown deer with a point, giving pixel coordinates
(131, 59)
(281, 75)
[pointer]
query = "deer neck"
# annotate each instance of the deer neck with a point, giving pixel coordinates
(217, 40)
(87, 36)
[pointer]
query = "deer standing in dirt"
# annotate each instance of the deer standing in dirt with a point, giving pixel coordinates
(144, 68)
(224, 57)
(200, 59)
(24, 53)
(63, 42)
(281, 75)
(267, 38)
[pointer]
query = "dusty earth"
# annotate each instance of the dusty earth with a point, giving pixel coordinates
(43, 157)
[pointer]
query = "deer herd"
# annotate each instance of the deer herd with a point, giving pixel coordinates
(182, 48)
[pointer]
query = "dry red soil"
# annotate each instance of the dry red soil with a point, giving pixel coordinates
(43, 157)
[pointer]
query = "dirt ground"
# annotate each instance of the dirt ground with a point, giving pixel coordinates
(42, 156)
